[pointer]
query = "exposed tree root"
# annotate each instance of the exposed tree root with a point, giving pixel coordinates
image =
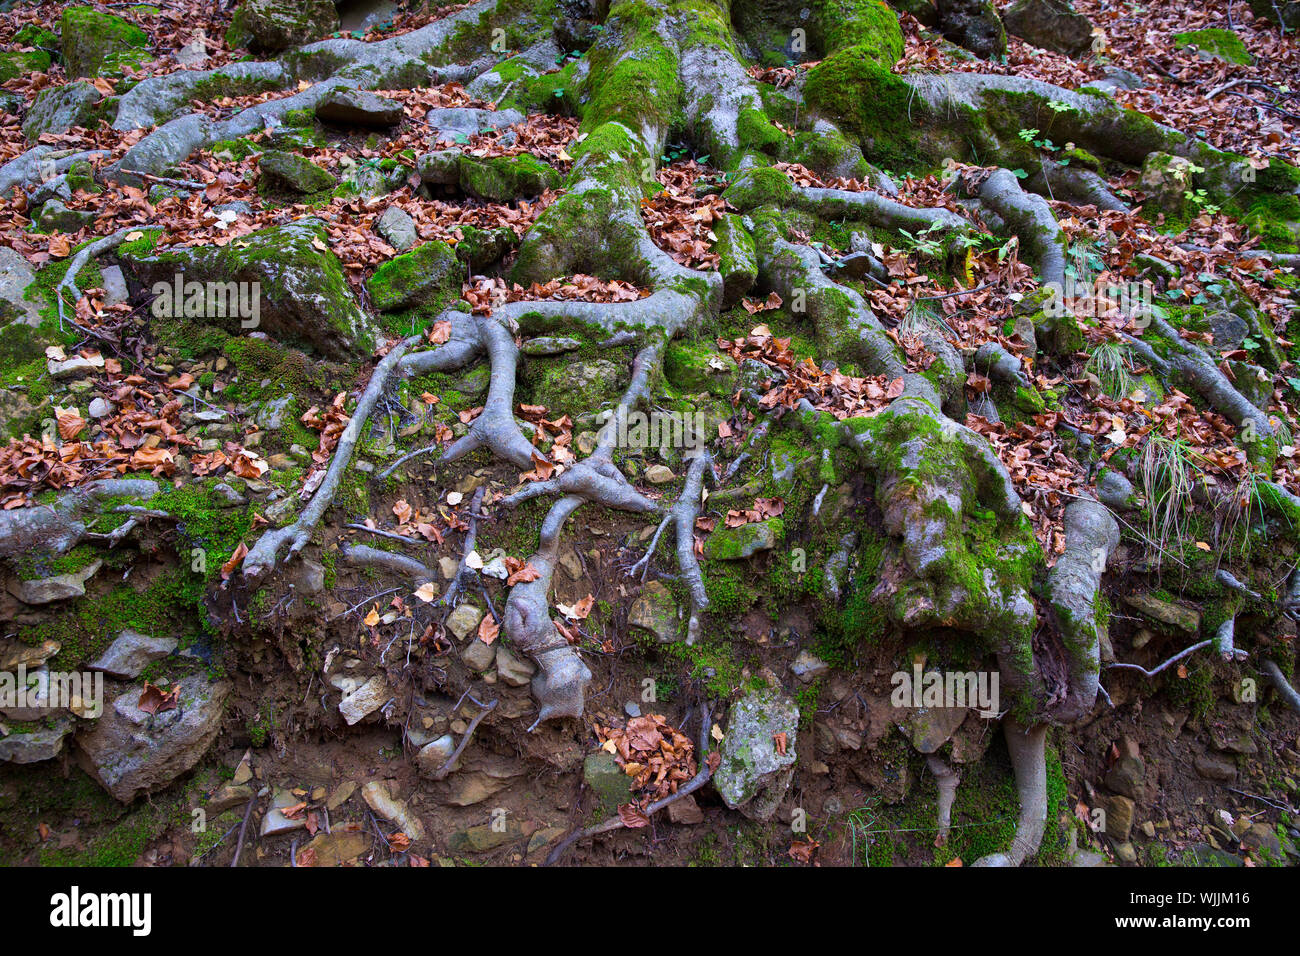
(1028, 217)
(1281, 684)
(361, 555)
(58, 528)
(947, 780)
(1027, 746)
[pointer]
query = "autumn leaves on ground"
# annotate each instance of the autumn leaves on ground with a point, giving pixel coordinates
(553, 430)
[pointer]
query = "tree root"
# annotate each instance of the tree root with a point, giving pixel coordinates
(58, 528)
(1027, 746)
(464, 573)
(1030, 218)
(1281, 684)
(947, 780)
(361, 555)
(496, 428)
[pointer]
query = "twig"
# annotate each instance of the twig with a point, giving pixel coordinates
(469, 732)
(1177, 657)
(243, 829)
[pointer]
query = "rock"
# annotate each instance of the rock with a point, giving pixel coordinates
(753, 776)
(347, 107)
(1125, 853)
(1128, 777)
(341, 795)
(60, 587)
(808, 667)
(685, 811)
(513, 669)
(16, 277)
(275, 822)
(101, 408)
(338, 848)
(655, 610)
(1185, 619)
(304, 297)
(1232, 740)
(1119, 817)
(127, 656)
(269, 26)
(503, 178)
(114, 284)
(291, 171)
(1203, 854)
(397, 228)
(736, 544)
(1215, 767)
(395, 811)
(1215, 44)
(463, 621)
(544, 345)
(544, 838)
(659, 474)
(975, 25)
(434, 755)
(1050, 24)
(56, 217)
(486, 836)
(448, 123)
(270, 416)
(612, 787)
(439, 168)
(365, 700)
(16, 654)
(94, 42)
(227, 797)
(478, 656)
(490, 777)
(929, 728)
(44, 743)
(1165, 180)
(131, 752)
(1115, 491)
(415, 278)
(1262, 839)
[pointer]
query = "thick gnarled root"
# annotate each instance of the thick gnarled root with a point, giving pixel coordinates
(1028, 749)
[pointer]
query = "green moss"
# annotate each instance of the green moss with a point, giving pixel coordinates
(14, 65)
(1216, 41)
(95, 42)
(869, 103)
(426, 273)
(506, 178)
(869, 26)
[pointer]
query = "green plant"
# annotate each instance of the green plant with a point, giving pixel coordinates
(1166, 476)
(1109, 364)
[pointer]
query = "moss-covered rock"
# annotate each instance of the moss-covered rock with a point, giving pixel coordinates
(95, 42)
(57, 109)
(745, 541)
(737, 259)
(269, 26)
(421, 276)
(697, 368)
(291, 171)
(13, 65)
(303, 297)
(505, 178)
(758, 753)
(1215, 43)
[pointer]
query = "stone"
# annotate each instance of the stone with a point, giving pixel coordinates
(1178, 616)
(1215, 767)
(16, 654)
(929, 728)
(291, 171)
(338, 848)
(1125, 853)
(376, 794)
(59, 587)
(270, 26)
(365, 700)
(1215, 44)
(1127, 777)
(439, 168)
(544, 838)
(127, 656)
(1050, 24)
(478, 655)
(44, 743)
(56, 217)
(398, 229)
(1232, 740)
(341, 795)
(1119, 817)
(484, 837)
(975, 25)
(659, 474)
(655, 611)
(1262, 839)
(490, 777)
(304, 297)
(114, 285)
(275, 822)
(736, 544)
(16, 277)
(428, 272)
(93, 42)
(807, 667)
(513, 669)
(463, 621)
(101, 408)
(270, 416)
(503, 178)
(227, 797)
(1165, 180)
(347, 107)
(544, 345)
(611, 786)
(686, 811)
(449, 122)
(433, 756)
(753, 775)
(131, 752)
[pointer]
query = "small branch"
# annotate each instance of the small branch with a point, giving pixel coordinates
(1173, 660)
(243, 829)
(460, 747)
